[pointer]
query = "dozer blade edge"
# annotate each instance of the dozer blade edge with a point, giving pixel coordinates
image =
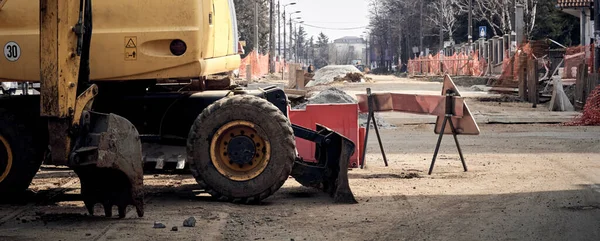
(330, 173)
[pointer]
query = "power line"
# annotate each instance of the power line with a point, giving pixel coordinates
(328, 28)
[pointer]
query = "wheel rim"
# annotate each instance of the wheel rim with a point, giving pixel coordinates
(6, 158)
(239, 152)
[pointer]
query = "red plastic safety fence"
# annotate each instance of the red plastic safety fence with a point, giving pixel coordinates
(260, 65)
(457, 64)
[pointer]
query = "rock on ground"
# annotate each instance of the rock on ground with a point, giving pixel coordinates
(190, 222)
(159, 225)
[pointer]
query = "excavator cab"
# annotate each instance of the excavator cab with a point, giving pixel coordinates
(124, 85)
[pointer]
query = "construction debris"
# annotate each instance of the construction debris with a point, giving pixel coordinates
(336, 96)
(560, 100)
(328, 75)
(352, 77)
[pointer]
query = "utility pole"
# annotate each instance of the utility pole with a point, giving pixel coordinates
(470, 27)
(284, 38)
(297, 45)
(279, 29)
(470, 24)
(271, 37)
(256, 43)
(291, 33)
(597, 35)
(441, 40)
(421, 31)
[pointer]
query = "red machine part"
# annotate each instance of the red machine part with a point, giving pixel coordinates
(341, 118)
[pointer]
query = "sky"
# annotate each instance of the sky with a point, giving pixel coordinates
(331, 14)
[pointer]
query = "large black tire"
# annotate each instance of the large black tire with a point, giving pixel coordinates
(27, 151)
(271, 125)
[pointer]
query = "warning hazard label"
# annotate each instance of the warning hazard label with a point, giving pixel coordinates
(130, 48)
(130, 42)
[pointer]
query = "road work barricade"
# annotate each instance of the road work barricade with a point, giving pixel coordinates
(454, 116)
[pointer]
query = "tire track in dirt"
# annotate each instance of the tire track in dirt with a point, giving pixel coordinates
(58, 191)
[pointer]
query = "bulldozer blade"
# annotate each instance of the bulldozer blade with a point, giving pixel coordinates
(330, 173)
(108, 160)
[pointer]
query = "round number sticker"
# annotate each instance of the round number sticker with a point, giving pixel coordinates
(12, 51)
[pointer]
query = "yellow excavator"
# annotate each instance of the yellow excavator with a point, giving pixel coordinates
(124, 82)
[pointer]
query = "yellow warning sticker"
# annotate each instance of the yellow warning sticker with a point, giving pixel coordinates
(130, 42)
(130, 54)
(131, 48)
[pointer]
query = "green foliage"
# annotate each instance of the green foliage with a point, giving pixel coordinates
(245, 15)
(555, 24)
(322, 51)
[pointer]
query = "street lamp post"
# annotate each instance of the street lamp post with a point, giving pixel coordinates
(284, 34)
(297, 57)
(366, 62)
(291, 30)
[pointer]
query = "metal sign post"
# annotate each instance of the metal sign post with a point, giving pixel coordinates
(448, 119)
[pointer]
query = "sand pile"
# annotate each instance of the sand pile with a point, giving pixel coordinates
(328, 74)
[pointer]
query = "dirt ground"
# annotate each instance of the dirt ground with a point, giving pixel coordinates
(525, 182)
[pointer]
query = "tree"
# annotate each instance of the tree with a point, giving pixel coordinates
(552, 23)
(499, 13)
(322, 48)
(244, 10)
(444, 15)
(299, 42)
(310, 49)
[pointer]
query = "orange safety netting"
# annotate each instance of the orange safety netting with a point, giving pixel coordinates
(457, 64)
(574, 56)
(259, 64)
(591, 111)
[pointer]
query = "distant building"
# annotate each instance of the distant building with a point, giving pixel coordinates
(348, 51)
(583, 10)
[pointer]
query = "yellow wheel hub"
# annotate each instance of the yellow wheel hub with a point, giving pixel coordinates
(239, 152)
(6, 158)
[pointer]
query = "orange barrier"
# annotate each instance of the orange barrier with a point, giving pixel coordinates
(260, 65)
(574, 56)
(457, 64)
(344, 121)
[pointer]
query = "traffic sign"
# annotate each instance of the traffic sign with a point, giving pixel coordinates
(482, 31)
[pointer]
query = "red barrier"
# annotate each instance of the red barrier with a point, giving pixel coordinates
(259, 64)
(342, 118)
(457, 64)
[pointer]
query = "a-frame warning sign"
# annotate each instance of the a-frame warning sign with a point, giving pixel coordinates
(130, 48)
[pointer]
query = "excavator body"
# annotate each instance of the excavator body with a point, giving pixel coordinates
(122, 83)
